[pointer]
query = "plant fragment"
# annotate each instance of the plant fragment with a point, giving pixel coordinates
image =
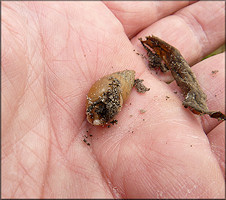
(166, 57)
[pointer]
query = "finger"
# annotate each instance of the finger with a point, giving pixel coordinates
(135, 16)
(217, 143)
(195, 30)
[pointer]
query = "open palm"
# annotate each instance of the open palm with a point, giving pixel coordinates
(54, 51)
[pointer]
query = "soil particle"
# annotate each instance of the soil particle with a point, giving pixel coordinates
(141, 88)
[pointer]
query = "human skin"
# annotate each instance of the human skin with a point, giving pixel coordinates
(52, 52)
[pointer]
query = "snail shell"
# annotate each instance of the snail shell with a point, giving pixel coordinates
(106, 96)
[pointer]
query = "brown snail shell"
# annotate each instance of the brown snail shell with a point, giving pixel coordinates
(106, 96)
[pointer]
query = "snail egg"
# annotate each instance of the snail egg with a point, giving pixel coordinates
(106, 96)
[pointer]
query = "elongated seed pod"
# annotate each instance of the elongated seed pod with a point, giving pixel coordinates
(107, 95)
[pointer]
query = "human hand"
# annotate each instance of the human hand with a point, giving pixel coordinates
(54, 51)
